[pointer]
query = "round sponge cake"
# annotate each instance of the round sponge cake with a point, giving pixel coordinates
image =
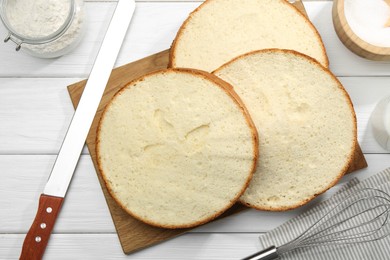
(176, 148)
(306, 123)
(220, 30)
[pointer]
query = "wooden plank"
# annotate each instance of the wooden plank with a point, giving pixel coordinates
(171, 1)
(85, 209)
(106, 246)
(152, 30)
(35, 112)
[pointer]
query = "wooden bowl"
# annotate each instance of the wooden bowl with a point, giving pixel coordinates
(351, 40)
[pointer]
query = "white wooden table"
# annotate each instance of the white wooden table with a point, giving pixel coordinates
(35, 111)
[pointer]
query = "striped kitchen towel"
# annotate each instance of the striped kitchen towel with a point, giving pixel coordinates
(378, 250)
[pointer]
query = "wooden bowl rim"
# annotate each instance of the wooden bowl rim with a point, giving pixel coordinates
(339, 13)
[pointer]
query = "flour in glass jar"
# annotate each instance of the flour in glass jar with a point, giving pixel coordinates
(42, 18)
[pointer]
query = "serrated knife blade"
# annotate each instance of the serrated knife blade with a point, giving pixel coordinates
(55, 190)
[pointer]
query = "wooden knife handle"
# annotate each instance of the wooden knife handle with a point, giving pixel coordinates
(34, 244)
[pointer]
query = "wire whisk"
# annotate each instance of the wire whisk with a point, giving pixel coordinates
(362, 217)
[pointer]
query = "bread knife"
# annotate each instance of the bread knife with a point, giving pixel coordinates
(51, 199)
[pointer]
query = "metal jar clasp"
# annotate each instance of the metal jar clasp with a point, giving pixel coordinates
(15, 40)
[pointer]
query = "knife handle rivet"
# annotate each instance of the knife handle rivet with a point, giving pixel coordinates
(43, 225)
(38, 239)
(49, 209)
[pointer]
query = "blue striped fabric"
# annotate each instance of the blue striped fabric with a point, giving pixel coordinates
(378, 250)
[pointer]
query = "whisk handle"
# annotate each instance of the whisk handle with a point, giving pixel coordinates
(269, 253)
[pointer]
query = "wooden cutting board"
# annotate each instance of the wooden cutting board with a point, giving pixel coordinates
(133, 234)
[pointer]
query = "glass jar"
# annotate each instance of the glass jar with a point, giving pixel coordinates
(43, 28)
(380, 121)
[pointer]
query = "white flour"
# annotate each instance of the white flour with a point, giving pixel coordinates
(367, 19)
(40, 18)
(37, 18)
